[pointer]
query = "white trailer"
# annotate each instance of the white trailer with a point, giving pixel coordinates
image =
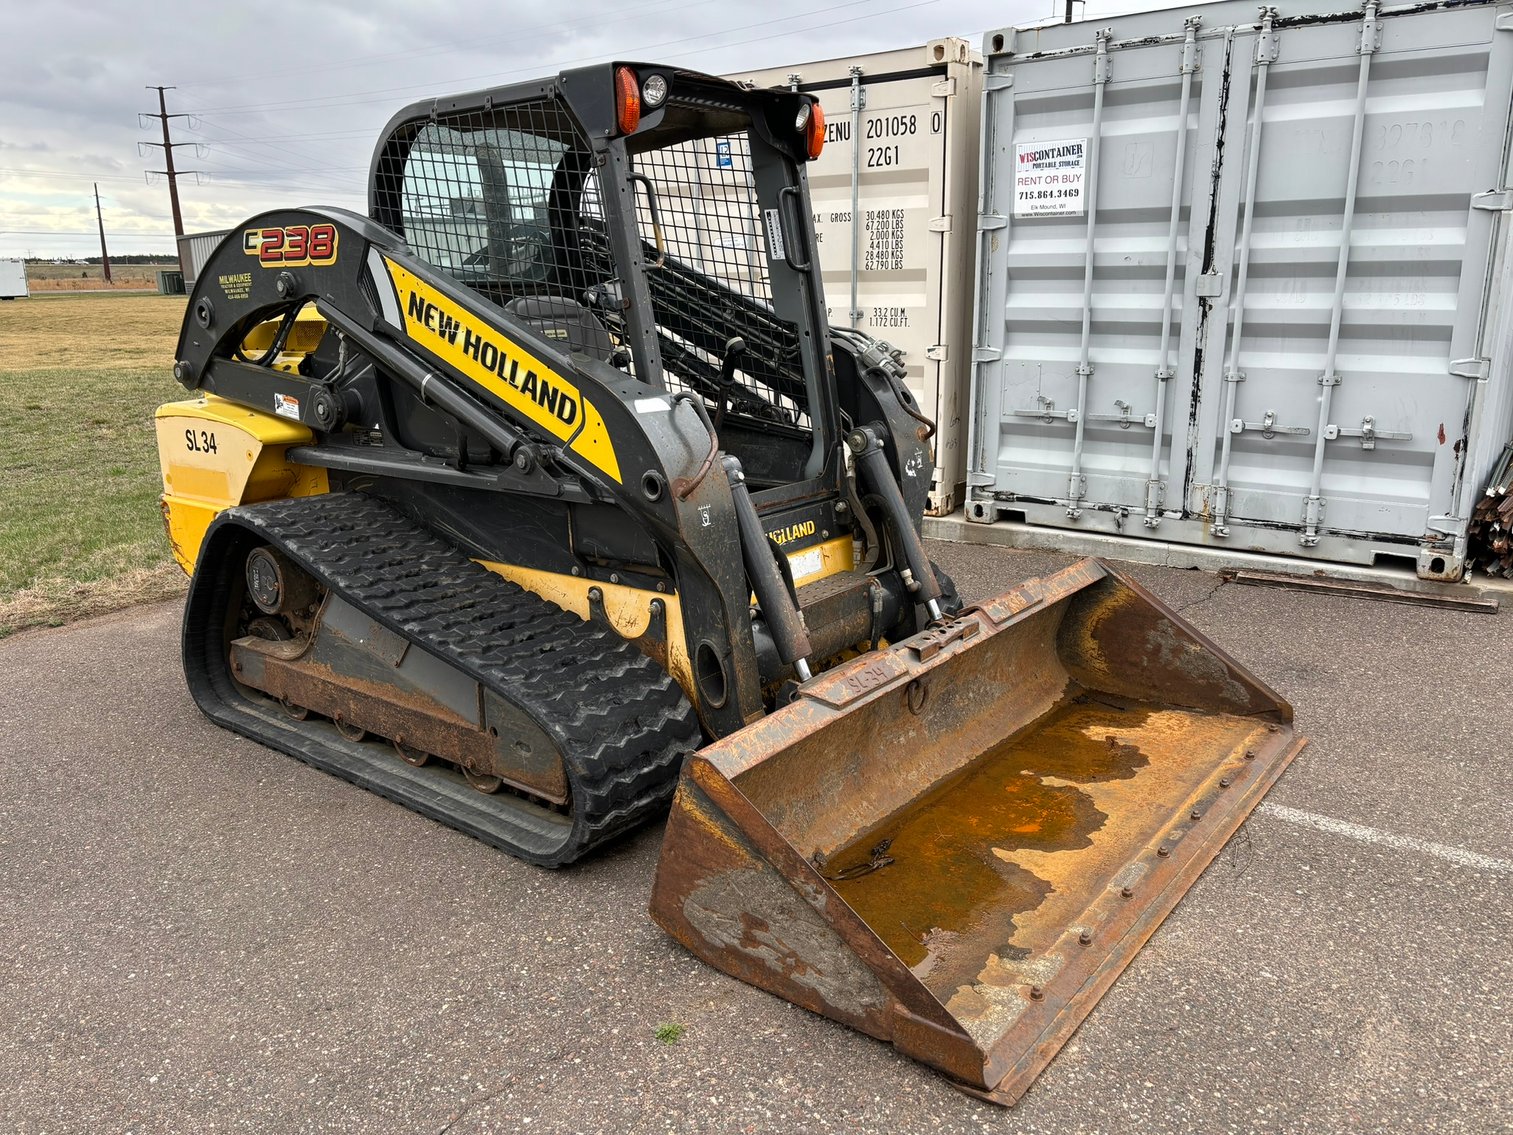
(13, 280)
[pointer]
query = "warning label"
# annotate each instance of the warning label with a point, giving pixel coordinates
(1050, 178)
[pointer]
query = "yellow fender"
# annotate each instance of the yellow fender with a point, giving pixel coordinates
(215, 454)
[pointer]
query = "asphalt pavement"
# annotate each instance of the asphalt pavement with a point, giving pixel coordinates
(201, 935)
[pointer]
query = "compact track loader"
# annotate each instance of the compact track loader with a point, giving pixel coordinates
(543, 496)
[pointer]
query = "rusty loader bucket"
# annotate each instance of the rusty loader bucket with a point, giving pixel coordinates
(958, 843)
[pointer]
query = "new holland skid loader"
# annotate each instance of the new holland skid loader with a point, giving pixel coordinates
(543, 496)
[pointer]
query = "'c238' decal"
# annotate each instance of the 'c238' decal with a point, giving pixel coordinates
(291, 246)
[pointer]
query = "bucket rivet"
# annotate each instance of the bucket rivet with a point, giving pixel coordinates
(1163, 851)
(1086, 937)
(1127, 892)
(1273, 728)
(1225, 782)
(1250, 754)
(1197, 815)
(1036, 993)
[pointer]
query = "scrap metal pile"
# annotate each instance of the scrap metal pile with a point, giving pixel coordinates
(1490, 535)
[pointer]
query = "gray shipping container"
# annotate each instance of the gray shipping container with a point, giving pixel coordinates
(194, 250)
(1244, 281)
(893, 193)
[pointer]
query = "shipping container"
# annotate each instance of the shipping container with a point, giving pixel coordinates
(1244, 279)
(893, 195)
(194, 250)
(13, 280)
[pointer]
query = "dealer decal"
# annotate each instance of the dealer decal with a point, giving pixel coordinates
(502, 367)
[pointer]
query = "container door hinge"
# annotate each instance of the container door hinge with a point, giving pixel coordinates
(1493, 200)
(991, 83)
(1471, 368)
(943, 89)
(986, 354)
(938, 353)
(940, 224)
(987, 222)
(1504, 22)
(1210, 285)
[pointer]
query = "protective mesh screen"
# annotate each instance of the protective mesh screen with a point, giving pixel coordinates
(709, 278)
(507, 202)
(493, 198)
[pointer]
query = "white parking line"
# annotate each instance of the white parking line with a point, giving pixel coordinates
(1472, 859)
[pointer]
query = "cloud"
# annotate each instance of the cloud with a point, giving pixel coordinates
(287, 98)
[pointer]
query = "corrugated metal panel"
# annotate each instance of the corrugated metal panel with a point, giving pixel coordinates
(909, 150)
(1316, 395)
(195, 249)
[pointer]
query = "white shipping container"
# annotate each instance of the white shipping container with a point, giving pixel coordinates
(1244, 281)
(13, 280)
(893, 194)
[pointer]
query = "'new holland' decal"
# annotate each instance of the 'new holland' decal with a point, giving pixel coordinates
(503, 368)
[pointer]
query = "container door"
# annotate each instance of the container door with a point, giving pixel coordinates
(880, 216)
(1344, 412)
(1095, 243)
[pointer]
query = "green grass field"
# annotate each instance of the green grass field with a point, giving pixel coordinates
(80, 528)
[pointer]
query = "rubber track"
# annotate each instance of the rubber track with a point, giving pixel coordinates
(621, 723)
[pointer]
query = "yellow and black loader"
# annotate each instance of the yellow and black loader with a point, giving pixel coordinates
(542, 498)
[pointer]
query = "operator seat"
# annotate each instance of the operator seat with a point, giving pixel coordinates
(566, 322)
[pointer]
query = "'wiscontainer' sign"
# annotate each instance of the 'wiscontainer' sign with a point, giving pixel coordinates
(1050, 178)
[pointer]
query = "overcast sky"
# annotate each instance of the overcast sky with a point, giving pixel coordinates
(287, 97)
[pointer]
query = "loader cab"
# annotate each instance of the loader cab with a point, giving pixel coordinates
(649, 219)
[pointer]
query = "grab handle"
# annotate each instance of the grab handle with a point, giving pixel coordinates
(791, 238)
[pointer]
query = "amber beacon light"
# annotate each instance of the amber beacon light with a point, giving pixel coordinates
(816, 129)
(627, 100)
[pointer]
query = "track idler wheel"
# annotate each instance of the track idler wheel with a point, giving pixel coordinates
(277, 586)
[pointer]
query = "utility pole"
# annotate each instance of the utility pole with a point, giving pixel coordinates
(168, 145)
(104, 255)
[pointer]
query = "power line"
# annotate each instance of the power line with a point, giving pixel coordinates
(74, 232)
(58, 175)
